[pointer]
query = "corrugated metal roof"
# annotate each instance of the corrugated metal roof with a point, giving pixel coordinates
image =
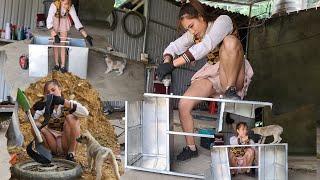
(20, 12)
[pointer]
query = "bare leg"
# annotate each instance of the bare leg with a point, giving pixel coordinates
(55, 51)
(48, 139)
(249, 157)
(63, 50)
(233, 162)
(71, 130)
(199, 88)
(231, 68)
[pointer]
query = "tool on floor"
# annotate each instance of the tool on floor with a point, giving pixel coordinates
(42, 154)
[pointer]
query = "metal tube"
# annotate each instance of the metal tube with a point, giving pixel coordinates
(146, 14)
(207, 99)
(189, 134)
(259, 162)
(243, 167)
(248, 32)
(126, 135)
(167, 172)
(223, 105)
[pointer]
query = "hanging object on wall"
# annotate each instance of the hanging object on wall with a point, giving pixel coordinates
(113, 24)
(142, 20)
(24, 62)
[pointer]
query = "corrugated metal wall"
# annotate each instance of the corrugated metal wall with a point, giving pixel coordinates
(163, 30)
(20, 12)
(121, 41)
(4, 88)
(160, 32)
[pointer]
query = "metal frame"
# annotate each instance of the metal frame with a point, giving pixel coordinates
(249, 3)
(224, 166)
(148, 129)
(223, 107)
(38, 56)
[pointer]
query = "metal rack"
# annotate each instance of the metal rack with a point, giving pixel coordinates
(272, 162)
(39, 55)
(150, 136)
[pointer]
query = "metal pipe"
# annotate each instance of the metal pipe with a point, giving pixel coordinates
(166, 172)
(126, 135)
(248, 32)
(250, 145)
(146, 14)
(245, 167)
(189, 134)
(207, 99)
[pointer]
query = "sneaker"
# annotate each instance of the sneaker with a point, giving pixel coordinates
(63, 69)
(187, 153)
(231, 93)
(56, 68)
(70, 157)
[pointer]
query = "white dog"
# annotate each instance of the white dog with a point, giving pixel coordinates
(272, 130)
(97, 154)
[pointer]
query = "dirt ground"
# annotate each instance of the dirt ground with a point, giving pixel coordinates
(83, 92)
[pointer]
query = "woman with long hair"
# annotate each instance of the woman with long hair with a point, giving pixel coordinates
(62, 130)
(226, 72)
(60, 14)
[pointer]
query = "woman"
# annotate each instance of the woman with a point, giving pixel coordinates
(226, 72)
(61, 133)
(58, 21)
(241, 156)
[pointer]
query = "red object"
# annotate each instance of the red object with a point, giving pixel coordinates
(13, 159)
(159, 88)
(41, 17)
(213, 108)
(24, 62)
(70, 19)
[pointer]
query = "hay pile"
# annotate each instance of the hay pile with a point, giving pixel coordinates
(80, 90)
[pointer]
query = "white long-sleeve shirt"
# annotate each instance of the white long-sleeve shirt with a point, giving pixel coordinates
(81, 111)
(72, 12)
(214, 35)
(234, 141)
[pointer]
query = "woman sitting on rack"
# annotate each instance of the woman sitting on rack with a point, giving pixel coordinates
(226, 72)
(241, 156)
(59, 22)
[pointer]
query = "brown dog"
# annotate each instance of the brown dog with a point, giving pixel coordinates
(97, 154)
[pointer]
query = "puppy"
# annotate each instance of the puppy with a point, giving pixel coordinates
(272, 130)
(115, 63)
(97, 154)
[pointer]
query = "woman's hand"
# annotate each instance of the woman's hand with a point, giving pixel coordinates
(89, 40)
(87, 37)
(58, 100)
(55, 36)
(244, 140)
(164, 69)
